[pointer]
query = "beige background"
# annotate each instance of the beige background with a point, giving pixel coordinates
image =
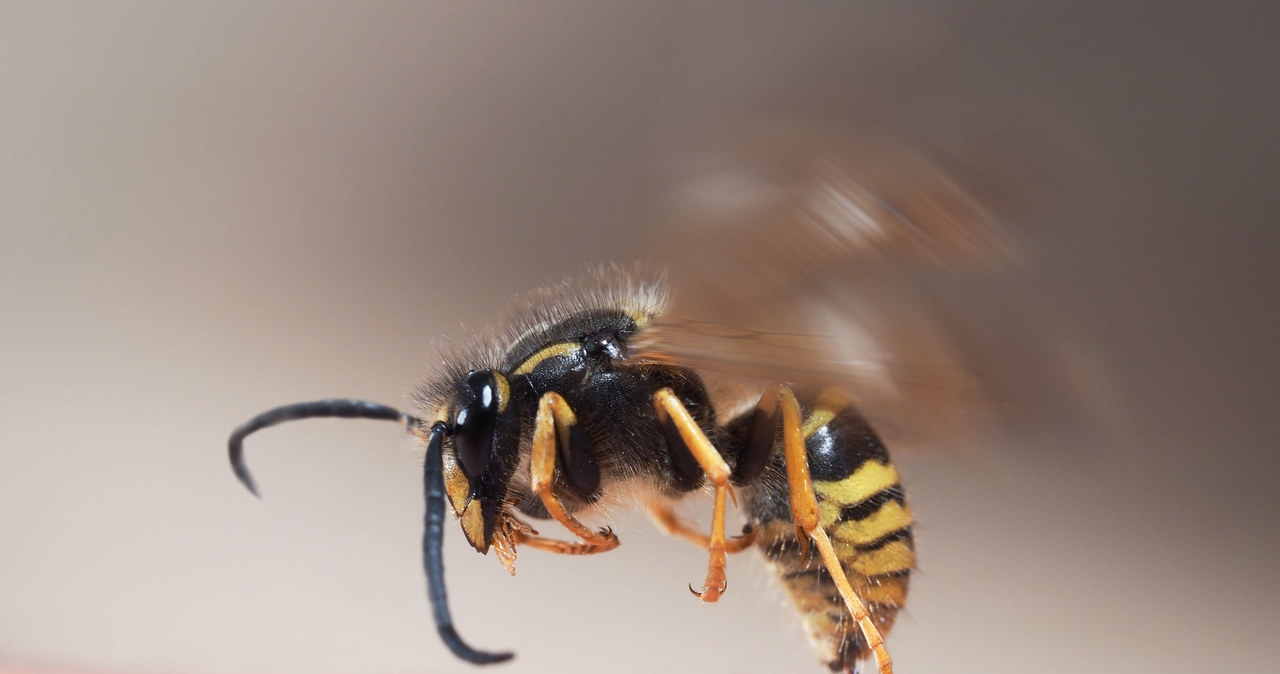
(208, 209)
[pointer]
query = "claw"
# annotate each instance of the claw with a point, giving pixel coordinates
(803, 537)
(710, 595)
(714, 586)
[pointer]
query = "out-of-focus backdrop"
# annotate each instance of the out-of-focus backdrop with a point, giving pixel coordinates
(208, 209)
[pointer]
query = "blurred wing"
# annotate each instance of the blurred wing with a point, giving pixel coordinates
(870, 269)
(752, 234)
(792, 357)
(910, 403)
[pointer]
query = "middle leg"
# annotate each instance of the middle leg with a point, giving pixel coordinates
(670, 523)
(671, 410)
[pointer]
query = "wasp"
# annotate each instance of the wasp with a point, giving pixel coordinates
(595, 390)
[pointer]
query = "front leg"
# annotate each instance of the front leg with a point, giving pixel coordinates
(556, 418)
(672, 411)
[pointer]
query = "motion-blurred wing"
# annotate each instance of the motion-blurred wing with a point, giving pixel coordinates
(911, 403)
(868, 269)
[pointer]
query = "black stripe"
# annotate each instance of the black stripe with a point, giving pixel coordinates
(820, 573)
(850, 647)
(867, 508)
(834, 599)
(787, 548)
(781, 548)
(903, 534)
(838, 448)
(840, 618)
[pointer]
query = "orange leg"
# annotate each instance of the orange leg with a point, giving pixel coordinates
(670, 407)
(558, 547)
(554, 414)
(804, 512)
(512, 532)
(666, 519)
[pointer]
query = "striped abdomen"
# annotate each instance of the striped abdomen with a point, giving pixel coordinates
(864, 512)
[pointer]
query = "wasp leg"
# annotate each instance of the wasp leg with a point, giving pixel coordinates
(666, 519)
(554, 414)
(804, 513)
(559, 547)
(670, 409)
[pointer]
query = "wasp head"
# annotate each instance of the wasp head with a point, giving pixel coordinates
(481, 453)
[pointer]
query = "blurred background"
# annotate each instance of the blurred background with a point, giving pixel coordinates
(212, 208)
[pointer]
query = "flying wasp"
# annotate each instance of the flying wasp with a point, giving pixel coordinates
(599, 388)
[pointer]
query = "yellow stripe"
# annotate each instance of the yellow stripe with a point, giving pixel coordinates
(888, 591)
(561, 349)
(504, 390)
(831, 401)
(872, 478)
(774, 530)
(896, 556)
(813, 602)
(891, 517)
(844, 551)
(828, 513)
(813, 598)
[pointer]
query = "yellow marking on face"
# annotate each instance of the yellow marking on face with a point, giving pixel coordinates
(896, 556)
(560, 349)
(868, 480)
(473, 526)
(831, 401)
(456, 485)
(504, 390)
(891, 517)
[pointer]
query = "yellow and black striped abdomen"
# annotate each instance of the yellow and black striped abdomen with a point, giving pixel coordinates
(864, 512)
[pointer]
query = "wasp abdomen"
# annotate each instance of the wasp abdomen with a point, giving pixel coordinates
(864, 512)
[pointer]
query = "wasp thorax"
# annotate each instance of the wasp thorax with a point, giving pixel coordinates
(474, 424)
(608, 342)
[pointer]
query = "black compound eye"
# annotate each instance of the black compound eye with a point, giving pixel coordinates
(475, 423)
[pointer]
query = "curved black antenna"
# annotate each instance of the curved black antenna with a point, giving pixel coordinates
(345, 408)
(433, 558)
(433, 481)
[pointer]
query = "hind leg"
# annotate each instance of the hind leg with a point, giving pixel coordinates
(804, 513)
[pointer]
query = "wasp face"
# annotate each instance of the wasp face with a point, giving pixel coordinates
(485, 439)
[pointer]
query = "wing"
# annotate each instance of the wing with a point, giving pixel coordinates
(910, 403)
(867, 268)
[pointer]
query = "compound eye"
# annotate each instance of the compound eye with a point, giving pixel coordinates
(475, 423)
